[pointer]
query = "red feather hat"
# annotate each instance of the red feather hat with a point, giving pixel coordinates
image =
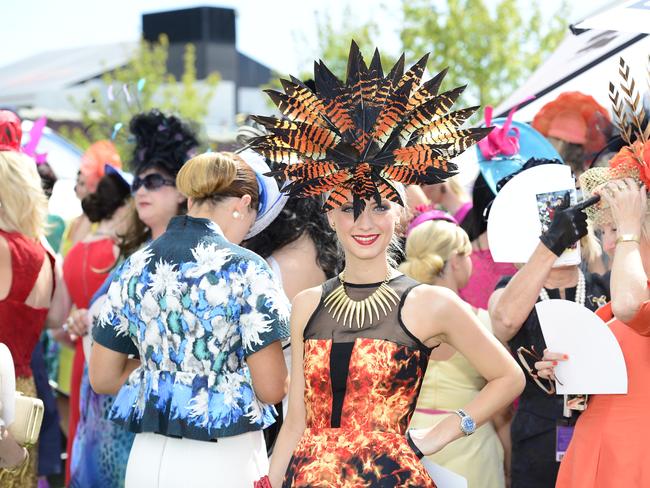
(364, 134)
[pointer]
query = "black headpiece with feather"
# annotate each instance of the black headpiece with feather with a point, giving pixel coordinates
(364, 134)
(161, 141)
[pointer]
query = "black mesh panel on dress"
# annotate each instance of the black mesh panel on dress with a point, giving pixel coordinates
(389, 327)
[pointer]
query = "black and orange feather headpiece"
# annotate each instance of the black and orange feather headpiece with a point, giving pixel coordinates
(365, 134)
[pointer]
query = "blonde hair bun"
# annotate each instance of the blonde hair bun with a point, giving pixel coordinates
(423, 268)
(430, 245)
(206, 175)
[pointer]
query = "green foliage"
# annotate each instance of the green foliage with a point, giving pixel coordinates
(332, 46)
(100, 114)
(490, 46)
(492, 50)
(333, 41)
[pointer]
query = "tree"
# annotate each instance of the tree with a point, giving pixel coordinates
(333, 40)
(142, 84)
(492, 50)
(332, 46)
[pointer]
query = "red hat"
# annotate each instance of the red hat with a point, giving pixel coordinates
(10, 131)
(574, 117)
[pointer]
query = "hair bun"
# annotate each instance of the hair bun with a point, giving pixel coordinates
(424, 268)
(206, 175)
(430, 245)
(110, 195)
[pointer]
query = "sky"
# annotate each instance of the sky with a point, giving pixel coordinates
(271, 31)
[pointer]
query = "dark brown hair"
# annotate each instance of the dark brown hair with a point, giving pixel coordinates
(112, 192)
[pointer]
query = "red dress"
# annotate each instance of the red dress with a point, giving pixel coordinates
(610, 443)
(85, 269)
(20, 324)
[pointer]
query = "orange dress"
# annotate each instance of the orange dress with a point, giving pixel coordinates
(610, 443)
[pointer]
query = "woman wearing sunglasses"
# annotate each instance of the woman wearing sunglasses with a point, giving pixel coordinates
(515, 322)
(163, 144)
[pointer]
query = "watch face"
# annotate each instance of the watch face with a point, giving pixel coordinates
(467, 425)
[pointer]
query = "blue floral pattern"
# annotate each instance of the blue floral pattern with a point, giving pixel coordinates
(194, 306)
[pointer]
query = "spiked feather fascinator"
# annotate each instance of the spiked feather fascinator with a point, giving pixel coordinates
(365, 134)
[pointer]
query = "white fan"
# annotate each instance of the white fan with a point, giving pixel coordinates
(514, 224)
(443, 477)
(596, 364)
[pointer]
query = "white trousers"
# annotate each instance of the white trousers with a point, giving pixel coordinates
(158, 461)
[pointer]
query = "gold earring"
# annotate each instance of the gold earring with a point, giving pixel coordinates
(236, 215)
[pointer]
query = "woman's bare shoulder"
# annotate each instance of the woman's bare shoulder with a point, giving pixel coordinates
(307, 300)
(427, 296)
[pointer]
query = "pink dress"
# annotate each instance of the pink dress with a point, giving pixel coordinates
(485, 276)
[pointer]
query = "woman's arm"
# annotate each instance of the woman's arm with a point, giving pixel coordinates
(294, 423)
(12, 454)
(453, 322)
(629, 281)
(509, 309)
(269, 373)
(108, 370)
(61, 301)
(502, 421)
(510, 306)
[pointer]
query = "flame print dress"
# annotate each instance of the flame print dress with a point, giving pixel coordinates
(361, 387)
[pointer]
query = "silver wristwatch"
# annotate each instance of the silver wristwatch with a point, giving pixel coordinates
(467, 424)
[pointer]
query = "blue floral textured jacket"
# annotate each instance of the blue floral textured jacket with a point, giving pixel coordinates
(192, 306)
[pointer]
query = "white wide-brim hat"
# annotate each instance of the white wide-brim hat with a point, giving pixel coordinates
(272, 201)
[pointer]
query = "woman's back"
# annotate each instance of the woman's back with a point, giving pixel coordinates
(86, 267)
(448, 385)
(25, 296)
(298, 265)
(194, 307)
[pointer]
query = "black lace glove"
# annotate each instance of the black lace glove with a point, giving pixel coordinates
(568, 226)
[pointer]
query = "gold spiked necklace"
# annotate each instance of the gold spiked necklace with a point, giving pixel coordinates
(340, 306)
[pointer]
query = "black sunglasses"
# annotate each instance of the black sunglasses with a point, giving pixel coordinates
(152, 181)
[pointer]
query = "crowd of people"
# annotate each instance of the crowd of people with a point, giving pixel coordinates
(321, 307)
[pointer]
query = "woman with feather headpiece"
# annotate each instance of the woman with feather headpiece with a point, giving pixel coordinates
(361, 341)
(609, 444)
